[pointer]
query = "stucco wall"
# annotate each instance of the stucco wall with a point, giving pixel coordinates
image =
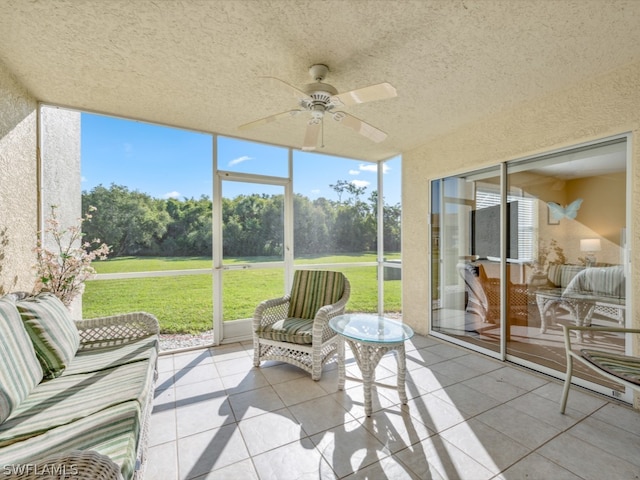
(18, 184)
(20, 191)
(61, 163)
(604, 106)
(61, 182)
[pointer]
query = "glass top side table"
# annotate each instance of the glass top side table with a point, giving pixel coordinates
(370, 337)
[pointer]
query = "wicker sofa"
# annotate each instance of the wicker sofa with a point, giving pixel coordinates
(75, 397)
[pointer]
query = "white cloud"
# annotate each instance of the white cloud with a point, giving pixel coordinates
(173, 194)
(368, 167)
(373, 167)
(83, 179)
(316, 191)
(354, 172)
(238, 160)
(360, 183)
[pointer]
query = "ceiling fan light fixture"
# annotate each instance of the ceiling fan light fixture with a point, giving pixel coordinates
(339, 116)
(318, 112)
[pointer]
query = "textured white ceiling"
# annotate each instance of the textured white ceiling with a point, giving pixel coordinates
(196, 63)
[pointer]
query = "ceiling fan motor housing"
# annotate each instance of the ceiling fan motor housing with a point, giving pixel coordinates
(320, 97)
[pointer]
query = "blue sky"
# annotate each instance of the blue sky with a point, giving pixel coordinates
(168, 162)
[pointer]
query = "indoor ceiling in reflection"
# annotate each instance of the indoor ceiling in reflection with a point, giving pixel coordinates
(604, 160)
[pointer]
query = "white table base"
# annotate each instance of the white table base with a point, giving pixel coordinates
(367, 357)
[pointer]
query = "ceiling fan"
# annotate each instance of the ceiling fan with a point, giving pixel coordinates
(321, 99)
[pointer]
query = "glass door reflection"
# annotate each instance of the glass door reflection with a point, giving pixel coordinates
(466, 246)
(576, 273)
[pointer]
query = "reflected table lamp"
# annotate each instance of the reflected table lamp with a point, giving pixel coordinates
(590, 246)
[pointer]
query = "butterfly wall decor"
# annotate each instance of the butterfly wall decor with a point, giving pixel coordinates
(570, 211)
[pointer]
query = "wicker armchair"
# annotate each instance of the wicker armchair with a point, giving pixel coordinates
(483, 295)
(295, 328)
(477, 302)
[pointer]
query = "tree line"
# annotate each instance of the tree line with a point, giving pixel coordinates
(134, 223)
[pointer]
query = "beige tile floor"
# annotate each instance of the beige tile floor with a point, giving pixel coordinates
(468, 417)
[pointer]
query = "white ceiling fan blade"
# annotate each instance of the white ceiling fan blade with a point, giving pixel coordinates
(277, 83)
(363, 128)
(380, 91)
(269, 119)
(311, 135)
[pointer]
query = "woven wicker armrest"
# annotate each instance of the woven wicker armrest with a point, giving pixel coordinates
(116, 329)
(329, 311)
(79, 465)
(518, 288)
(270, 311)
(321, 320)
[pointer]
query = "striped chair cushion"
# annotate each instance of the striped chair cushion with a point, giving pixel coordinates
(113, 432)
(622, 366)
(290, 330)
(313, 289)
(66, 399)
(20, 370)
(52, 331)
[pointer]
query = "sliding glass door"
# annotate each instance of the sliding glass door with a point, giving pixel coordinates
(577, 269)
(524, 247)
(466, 249)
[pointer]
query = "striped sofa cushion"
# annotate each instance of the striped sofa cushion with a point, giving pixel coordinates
(313, 289)
(20, 370)
(600, 281)
(66, 399)
(113, 432)
(52, 331)
(561, 275)
(290, 330)
(94, 359)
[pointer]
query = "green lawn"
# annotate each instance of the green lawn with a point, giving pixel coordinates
(183, 304)
(150, 264)
(154, 264)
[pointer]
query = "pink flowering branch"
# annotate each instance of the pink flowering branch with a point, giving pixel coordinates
(64, 269)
